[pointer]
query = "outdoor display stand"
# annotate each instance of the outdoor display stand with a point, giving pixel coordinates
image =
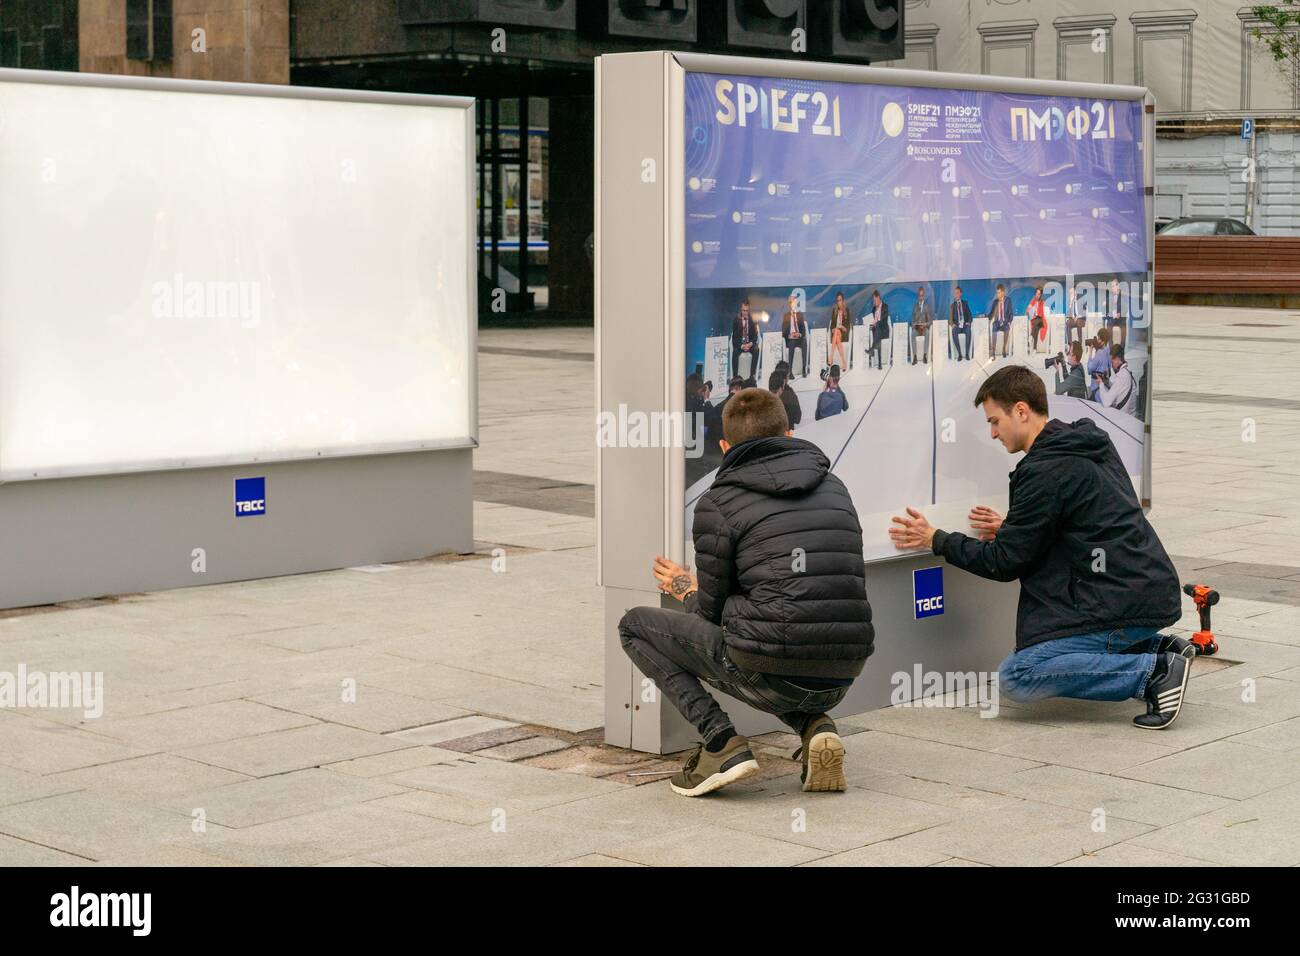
(721, 179)
(237, 331)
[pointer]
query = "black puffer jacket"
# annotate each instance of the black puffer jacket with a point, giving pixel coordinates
(783, 611)
(1075, 535)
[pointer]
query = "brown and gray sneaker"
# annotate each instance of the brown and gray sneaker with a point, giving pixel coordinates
(705, 772)
(823, 757)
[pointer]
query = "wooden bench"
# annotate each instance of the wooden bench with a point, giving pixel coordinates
(1228, 265)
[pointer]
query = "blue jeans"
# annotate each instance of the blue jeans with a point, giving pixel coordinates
(1103, 665)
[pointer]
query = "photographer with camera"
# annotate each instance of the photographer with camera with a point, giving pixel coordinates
(1099, 361)
(831, 401)
(1069, 372)
(1121, 391)
(1085, 628)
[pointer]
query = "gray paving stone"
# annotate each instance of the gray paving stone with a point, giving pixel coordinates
(441, 806)
(336, 834)
(1078, 748)
(707, 845)
(1117, 796)
(373, 708)
(152, 778)
(923, 758)
(14, 852)
(527, 839)
(596, 859)
(886, 853)
(1260, 831)
(959, 726)
(1223, 768)
(1131, 854)
(505, 784)
(937, 792)
(262, 800)
(93, 825)
(1026, 834)
(393, 761)
(433, 681)
(830, 821)
(203, 724)
(1283, 736)
(574, 709)
(18, 786)
(296, 749)
(1272, 699)
(454, 729)
(167, 855)
(43, 747)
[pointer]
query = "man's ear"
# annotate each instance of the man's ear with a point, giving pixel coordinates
(724, 445)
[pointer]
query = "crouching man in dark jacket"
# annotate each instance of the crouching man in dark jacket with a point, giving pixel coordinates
(778, 616)
(1095, 583)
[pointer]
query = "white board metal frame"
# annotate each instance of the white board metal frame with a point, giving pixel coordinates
(155, 84)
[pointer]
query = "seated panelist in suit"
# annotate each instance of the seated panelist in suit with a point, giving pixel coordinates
(744, 339)
(1000, 316)
(879, 326)
(794, 329)
(959, 323)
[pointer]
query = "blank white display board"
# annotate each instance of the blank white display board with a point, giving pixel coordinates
(198, 274)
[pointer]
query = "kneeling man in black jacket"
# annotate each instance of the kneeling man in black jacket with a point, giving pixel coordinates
(778, 616)
(1095, 583)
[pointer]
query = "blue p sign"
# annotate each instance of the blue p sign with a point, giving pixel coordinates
(927, 592)
(1247, 129)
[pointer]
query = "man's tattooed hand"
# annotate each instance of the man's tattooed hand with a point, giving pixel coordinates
(681, 584)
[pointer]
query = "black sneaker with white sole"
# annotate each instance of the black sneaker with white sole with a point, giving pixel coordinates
(1165, 692)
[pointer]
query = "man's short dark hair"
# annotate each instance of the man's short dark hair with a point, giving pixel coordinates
(1077, 351)
(776, 381)
(875, 293)
(1012, 384)
(1117, 351)
(753, 413)
(956, 288)
(1000, 288)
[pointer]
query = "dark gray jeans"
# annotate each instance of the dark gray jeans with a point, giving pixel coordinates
(678, 649)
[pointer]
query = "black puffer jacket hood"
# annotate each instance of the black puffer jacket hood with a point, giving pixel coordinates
(1077, 539)
(778, 552)
(774, 466)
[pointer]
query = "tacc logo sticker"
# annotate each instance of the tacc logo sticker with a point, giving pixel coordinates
(927, 592)
(250, 497)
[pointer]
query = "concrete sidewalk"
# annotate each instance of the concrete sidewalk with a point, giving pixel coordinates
(447, 711)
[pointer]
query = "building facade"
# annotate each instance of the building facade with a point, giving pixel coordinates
(529, 63)
(1199, 57)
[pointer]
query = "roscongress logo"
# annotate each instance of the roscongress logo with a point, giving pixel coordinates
(776, 108)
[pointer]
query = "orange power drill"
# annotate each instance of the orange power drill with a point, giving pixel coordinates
(1205, 597)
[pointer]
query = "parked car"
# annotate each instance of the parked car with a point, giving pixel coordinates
(1206, 226)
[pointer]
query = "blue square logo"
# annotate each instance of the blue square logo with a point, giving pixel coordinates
(250, 497)
(927, 592)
